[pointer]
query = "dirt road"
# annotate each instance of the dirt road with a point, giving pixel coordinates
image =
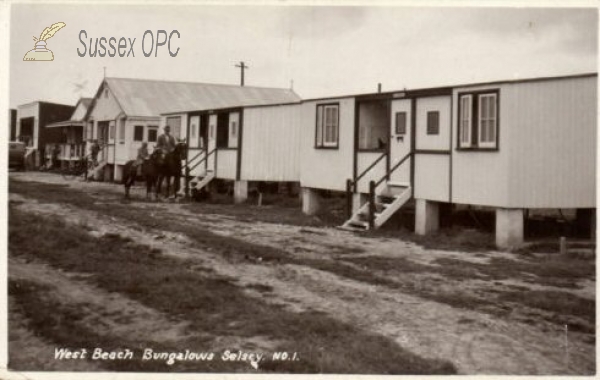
(469, 309)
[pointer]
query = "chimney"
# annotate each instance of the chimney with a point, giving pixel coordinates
(379, 87)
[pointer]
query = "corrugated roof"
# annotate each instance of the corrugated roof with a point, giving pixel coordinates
(140, 97)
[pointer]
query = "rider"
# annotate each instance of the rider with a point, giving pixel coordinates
(142, 154)
(166, 142)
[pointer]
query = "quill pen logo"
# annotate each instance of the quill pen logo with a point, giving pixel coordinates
(40, 52)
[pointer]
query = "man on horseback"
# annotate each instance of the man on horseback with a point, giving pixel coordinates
(166, 142)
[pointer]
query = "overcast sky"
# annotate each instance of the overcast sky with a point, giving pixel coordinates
(324, 50)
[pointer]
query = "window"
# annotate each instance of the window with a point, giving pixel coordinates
(478, 120)
(400, 123)
(138, 133)
(111, 132)
(487, 121)
(464, 121)
(433, 123)
(327, 126)
(152, 133)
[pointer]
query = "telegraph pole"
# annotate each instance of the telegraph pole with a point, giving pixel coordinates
(242, 67)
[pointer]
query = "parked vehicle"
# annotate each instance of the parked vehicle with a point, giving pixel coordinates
(16, 155)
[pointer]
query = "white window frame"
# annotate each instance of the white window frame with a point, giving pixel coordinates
(482, 121)
(465, 123)
(328, 126)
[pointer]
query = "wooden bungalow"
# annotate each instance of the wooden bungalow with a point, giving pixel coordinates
(126, 112)
(511, 145)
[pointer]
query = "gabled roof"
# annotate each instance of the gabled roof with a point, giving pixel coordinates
(81, 109)
(140, 97)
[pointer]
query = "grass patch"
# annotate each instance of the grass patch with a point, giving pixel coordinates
(552, 270)
(447, 239)
(213, 304)
(576, 312)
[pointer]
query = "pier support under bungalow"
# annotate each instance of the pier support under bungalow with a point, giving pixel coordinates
(311, 201)
(427, 217)
(240, 191)
(509, 227)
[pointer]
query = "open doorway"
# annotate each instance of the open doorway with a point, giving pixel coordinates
(373, 124)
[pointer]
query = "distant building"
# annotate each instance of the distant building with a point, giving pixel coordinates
(32, 121)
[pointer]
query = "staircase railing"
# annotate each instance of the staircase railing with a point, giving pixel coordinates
(89, 163)
(189, 167)
(374, 184)
(351, 185)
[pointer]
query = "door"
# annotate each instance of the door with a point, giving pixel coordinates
(212, 142)
(103, 139)
(400, 141)
(195, 132)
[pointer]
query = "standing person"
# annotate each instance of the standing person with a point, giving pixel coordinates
(95, 149)
(166, 142)
(55, 154)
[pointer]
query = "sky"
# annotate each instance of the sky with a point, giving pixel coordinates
(318, 50)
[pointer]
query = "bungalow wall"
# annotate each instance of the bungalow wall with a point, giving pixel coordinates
(327, 167)
(481, 177)
(553, 129)
(270, 143)
(546, 150)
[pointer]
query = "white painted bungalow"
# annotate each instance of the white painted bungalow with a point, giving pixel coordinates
(243, 139)
(126, 112)
(512, 146)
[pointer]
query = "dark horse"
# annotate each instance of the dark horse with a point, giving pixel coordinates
(170, 167)
(149, 172)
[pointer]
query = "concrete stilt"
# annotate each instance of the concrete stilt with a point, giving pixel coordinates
(240, 191)
(427, 217)
(310, 201)
(118, 176)
(509, 228)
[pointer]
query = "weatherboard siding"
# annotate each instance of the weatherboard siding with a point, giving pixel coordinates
(364, 160)
(106, 108)
(226, 163)
(327, 168)
(271, 143)
(553, 142)
(432, 177)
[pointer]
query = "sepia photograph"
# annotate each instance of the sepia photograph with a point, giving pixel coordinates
(299, 188)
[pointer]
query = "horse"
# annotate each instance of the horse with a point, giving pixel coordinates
(170, 167)
(149, 172)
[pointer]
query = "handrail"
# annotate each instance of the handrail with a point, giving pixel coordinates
(396, 166)
(369, 168)
(187, 169)
(196, 156)
(205, 158)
